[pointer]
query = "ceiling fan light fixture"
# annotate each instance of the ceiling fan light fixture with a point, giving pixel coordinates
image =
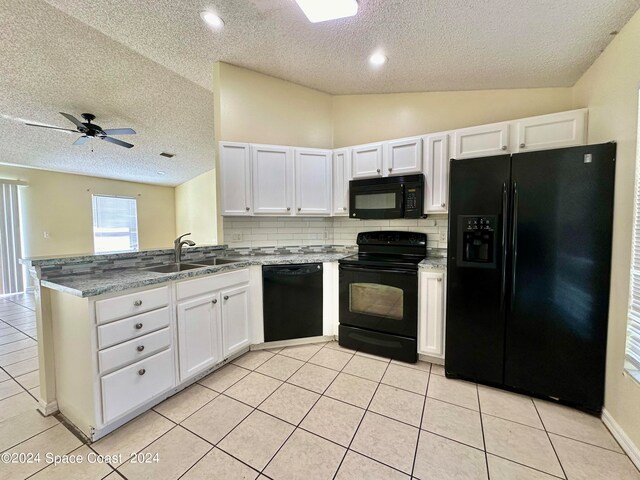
(211, 19)
(323, 10)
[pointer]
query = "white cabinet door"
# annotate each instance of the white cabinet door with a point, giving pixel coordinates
(272, 179)
(199, 335)
(482, 141)
(436, 164)
(366, 160)
(403, 156)
(235, 319)
(557, 130)
(341, 181)
(431, 307)
(313, 181)
(235, 178)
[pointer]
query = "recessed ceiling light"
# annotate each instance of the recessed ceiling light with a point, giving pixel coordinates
(160, 172)
(378, 59)
(323, 10)
(212, 20)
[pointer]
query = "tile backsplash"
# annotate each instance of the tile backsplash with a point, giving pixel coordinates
(285, 231)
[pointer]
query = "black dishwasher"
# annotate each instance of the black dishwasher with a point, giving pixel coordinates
(292, 301)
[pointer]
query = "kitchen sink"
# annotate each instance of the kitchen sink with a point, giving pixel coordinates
(218, 261)
(173, 267)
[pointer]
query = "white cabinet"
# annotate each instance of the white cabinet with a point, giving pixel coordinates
(431, 314)
(341, 174)
(272, 180)
(482, 141)
(235, 178)
(403, 156)
(235, 320)
(313, 181)
(557, 130)
(199, 335)
(367, 161)
(436, 166)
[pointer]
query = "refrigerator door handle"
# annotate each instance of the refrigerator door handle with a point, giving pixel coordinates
(505, 226)
(514, 242)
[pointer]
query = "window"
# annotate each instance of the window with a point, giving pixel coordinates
(115, 224)
(632, 364)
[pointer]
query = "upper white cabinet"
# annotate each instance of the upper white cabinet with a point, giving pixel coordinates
(272, 179)
(313, 169)
(235, 178)
(235, 319)
(431, 314)
(557, 130)
(436, 169)
(367, 161)
(482, 141)
(403, 156)
(341, 175)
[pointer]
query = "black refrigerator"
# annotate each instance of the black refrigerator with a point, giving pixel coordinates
(528, 272)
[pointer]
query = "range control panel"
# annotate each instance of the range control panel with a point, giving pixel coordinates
(480, 223)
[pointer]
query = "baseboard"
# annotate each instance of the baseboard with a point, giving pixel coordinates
(47, 409)
(30, 290)
(292, 343)
(619, 434)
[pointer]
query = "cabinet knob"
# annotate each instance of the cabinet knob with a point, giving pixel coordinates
(344, 208)
(288, 209)
(138, 326)
(442, 205)
(247, 209)
(137, 303)
(142, 371)
(522, 145)
(504, 147)
(214, 301)
(140, 348)
(439, 279)
(378, 170)
(299, 209)
(226, 297)
(390, 168)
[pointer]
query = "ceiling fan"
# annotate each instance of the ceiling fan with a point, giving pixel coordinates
(91, 130)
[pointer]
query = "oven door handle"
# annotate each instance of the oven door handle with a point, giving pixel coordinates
(351, 268)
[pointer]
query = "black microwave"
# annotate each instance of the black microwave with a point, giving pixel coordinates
(389, 197)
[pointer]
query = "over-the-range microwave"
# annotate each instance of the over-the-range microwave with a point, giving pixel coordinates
(389, 197)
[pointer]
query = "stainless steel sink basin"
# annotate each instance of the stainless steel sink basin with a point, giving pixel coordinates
(218, 261)
(173, 267)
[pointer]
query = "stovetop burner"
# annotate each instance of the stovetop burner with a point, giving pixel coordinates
(389, 249)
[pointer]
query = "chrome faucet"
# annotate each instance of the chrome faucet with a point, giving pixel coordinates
(178, 243)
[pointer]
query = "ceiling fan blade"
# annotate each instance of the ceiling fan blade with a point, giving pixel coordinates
(115, 141)
(49, 126)
(81, 140)
(120, 131)
(73, 119)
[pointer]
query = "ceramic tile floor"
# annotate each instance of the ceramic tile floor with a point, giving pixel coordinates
(323, 412)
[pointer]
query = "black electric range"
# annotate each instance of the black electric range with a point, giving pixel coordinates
(379, 294)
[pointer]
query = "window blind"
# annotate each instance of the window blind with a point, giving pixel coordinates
(115, 224)
(11, 277)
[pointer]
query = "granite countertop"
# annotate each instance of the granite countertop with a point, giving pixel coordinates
(93, 284)
(433, 263)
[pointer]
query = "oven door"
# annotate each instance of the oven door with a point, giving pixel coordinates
(376, 201)
(381, 299)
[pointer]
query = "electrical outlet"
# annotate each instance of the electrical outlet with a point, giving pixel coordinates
(443, 236)
(236, 237)
(45, 234)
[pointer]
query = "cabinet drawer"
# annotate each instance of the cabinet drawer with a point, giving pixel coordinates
(130, 387)
(132, 327)
(132, 304)
(127, 352)
(204, 285)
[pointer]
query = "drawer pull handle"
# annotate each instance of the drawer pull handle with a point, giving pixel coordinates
(140, 348)
(142, 371)
(137, 303)
(138, 326)
(226, 297)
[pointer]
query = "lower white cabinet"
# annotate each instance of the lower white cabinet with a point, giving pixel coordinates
(199, 335)
(235, 320)
(431, 314)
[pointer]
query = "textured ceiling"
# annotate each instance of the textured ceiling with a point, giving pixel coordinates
(51, 62)
(431, 44)
(146, 64)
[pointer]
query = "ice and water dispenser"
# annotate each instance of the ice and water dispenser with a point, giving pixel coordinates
(477, 241)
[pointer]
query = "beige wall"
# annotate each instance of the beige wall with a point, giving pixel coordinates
(361, 119)
(610, 90)
(60, 204)
(196, 209)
